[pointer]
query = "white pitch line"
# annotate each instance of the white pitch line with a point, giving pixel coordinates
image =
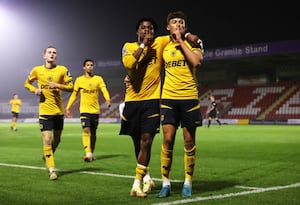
(183, 201)
(246, 187)
(82, 172)
(222, 196)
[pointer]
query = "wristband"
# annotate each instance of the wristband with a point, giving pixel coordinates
(142, 45)
(186, 35)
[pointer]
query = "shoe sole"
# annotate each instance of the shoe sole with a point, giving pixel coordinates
(134, 193)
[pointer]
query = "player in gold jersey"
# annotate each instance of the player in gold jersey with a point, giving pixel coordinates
(88, 85)
(140, 117)
(51, 79)
(15, 103)
(180, 102)
(141, 114)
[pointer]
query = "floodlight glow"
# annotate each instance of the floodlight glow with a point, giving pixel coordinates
(5, 17)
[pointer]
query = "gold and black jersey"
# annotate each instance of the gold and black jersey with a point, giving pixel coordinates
(144, 72)
(89, 93)
(51, 98)
(15, 105)
(180, 81)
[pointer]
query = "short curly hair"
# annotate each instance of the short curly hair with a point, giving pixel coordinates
(176, 14)
(149, 19)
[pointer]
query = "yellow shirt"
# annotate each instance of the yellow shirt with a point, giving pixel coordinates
(15, 105)
(89, 93)
(180, 81)
(149, 76)
(51, 98)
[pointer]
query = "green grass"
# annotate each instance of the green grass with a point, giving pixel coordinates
(262, 156)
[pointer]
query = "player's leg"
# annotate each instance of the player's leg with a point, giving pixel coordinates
(48, 154)
(86, 136)
(166, 158)
(191, 119)
(189, 159)
(219, 122)
(209, 122)
(144, 159)
(136, 139)
(58, 125)
(46, 126)
(136, 190)
(56, 139)
(93, 141)
(93, 130)
(86, 141)
(150, 125)
(14, 121)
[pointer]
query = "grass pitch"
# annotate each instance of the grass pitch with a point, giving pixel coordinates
(236, 164)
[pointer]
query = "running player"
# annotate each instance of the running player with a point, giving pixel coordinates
(51, 79)
(15, 103)
(89, 85)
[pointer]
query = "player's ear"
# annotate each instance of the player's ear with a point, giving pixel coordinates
(168, 27)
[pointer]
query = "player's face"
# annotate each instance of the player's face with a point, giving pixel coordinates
(50, 55)
(145, 30)
(89, 67)
(177, 24)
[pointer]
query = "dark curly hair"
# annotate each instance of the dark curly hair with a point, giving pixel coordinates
(149, 19)
(176, 14)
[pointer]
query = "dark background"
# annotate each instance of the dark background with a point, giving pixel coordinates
(98, 29)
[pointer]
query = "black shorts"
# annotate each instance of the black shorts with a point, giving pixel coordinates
(51, 122)
(140, 117)
(184, 112)
(212, 114)
(15, 114)
(89, 120)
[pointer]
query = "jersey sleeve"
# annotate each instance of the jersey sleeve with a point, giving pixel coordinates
(68, 81)
(129, 61)
(30, 79)
(73, 95)
(104, 89)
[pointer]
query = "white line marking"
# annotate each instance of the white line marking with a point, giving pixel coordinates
(82, 172)
(183, 201)
(222, 196)
(246, 187)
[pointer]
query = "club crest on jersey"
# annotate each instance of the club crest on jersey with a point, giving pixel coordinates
(50, 78)
(173, 53)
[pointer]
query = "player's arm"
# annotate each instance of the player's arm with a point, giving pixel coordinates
(105, 93)
(193, 56)
(128, 59)
(70, 103)
(28, 84)
(67, 85)
(210, 108)
(194, 40)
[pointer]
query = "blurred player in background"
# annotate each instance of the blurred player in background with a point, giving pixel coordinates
(89, 85)
(212, 112)
(121, 108)
(15, 103)
(180, 102)
(51, 79)
(141, 114)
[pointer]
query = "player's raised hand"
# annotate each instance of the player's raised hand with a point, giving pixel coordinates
(38, 91)
(194, 40)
